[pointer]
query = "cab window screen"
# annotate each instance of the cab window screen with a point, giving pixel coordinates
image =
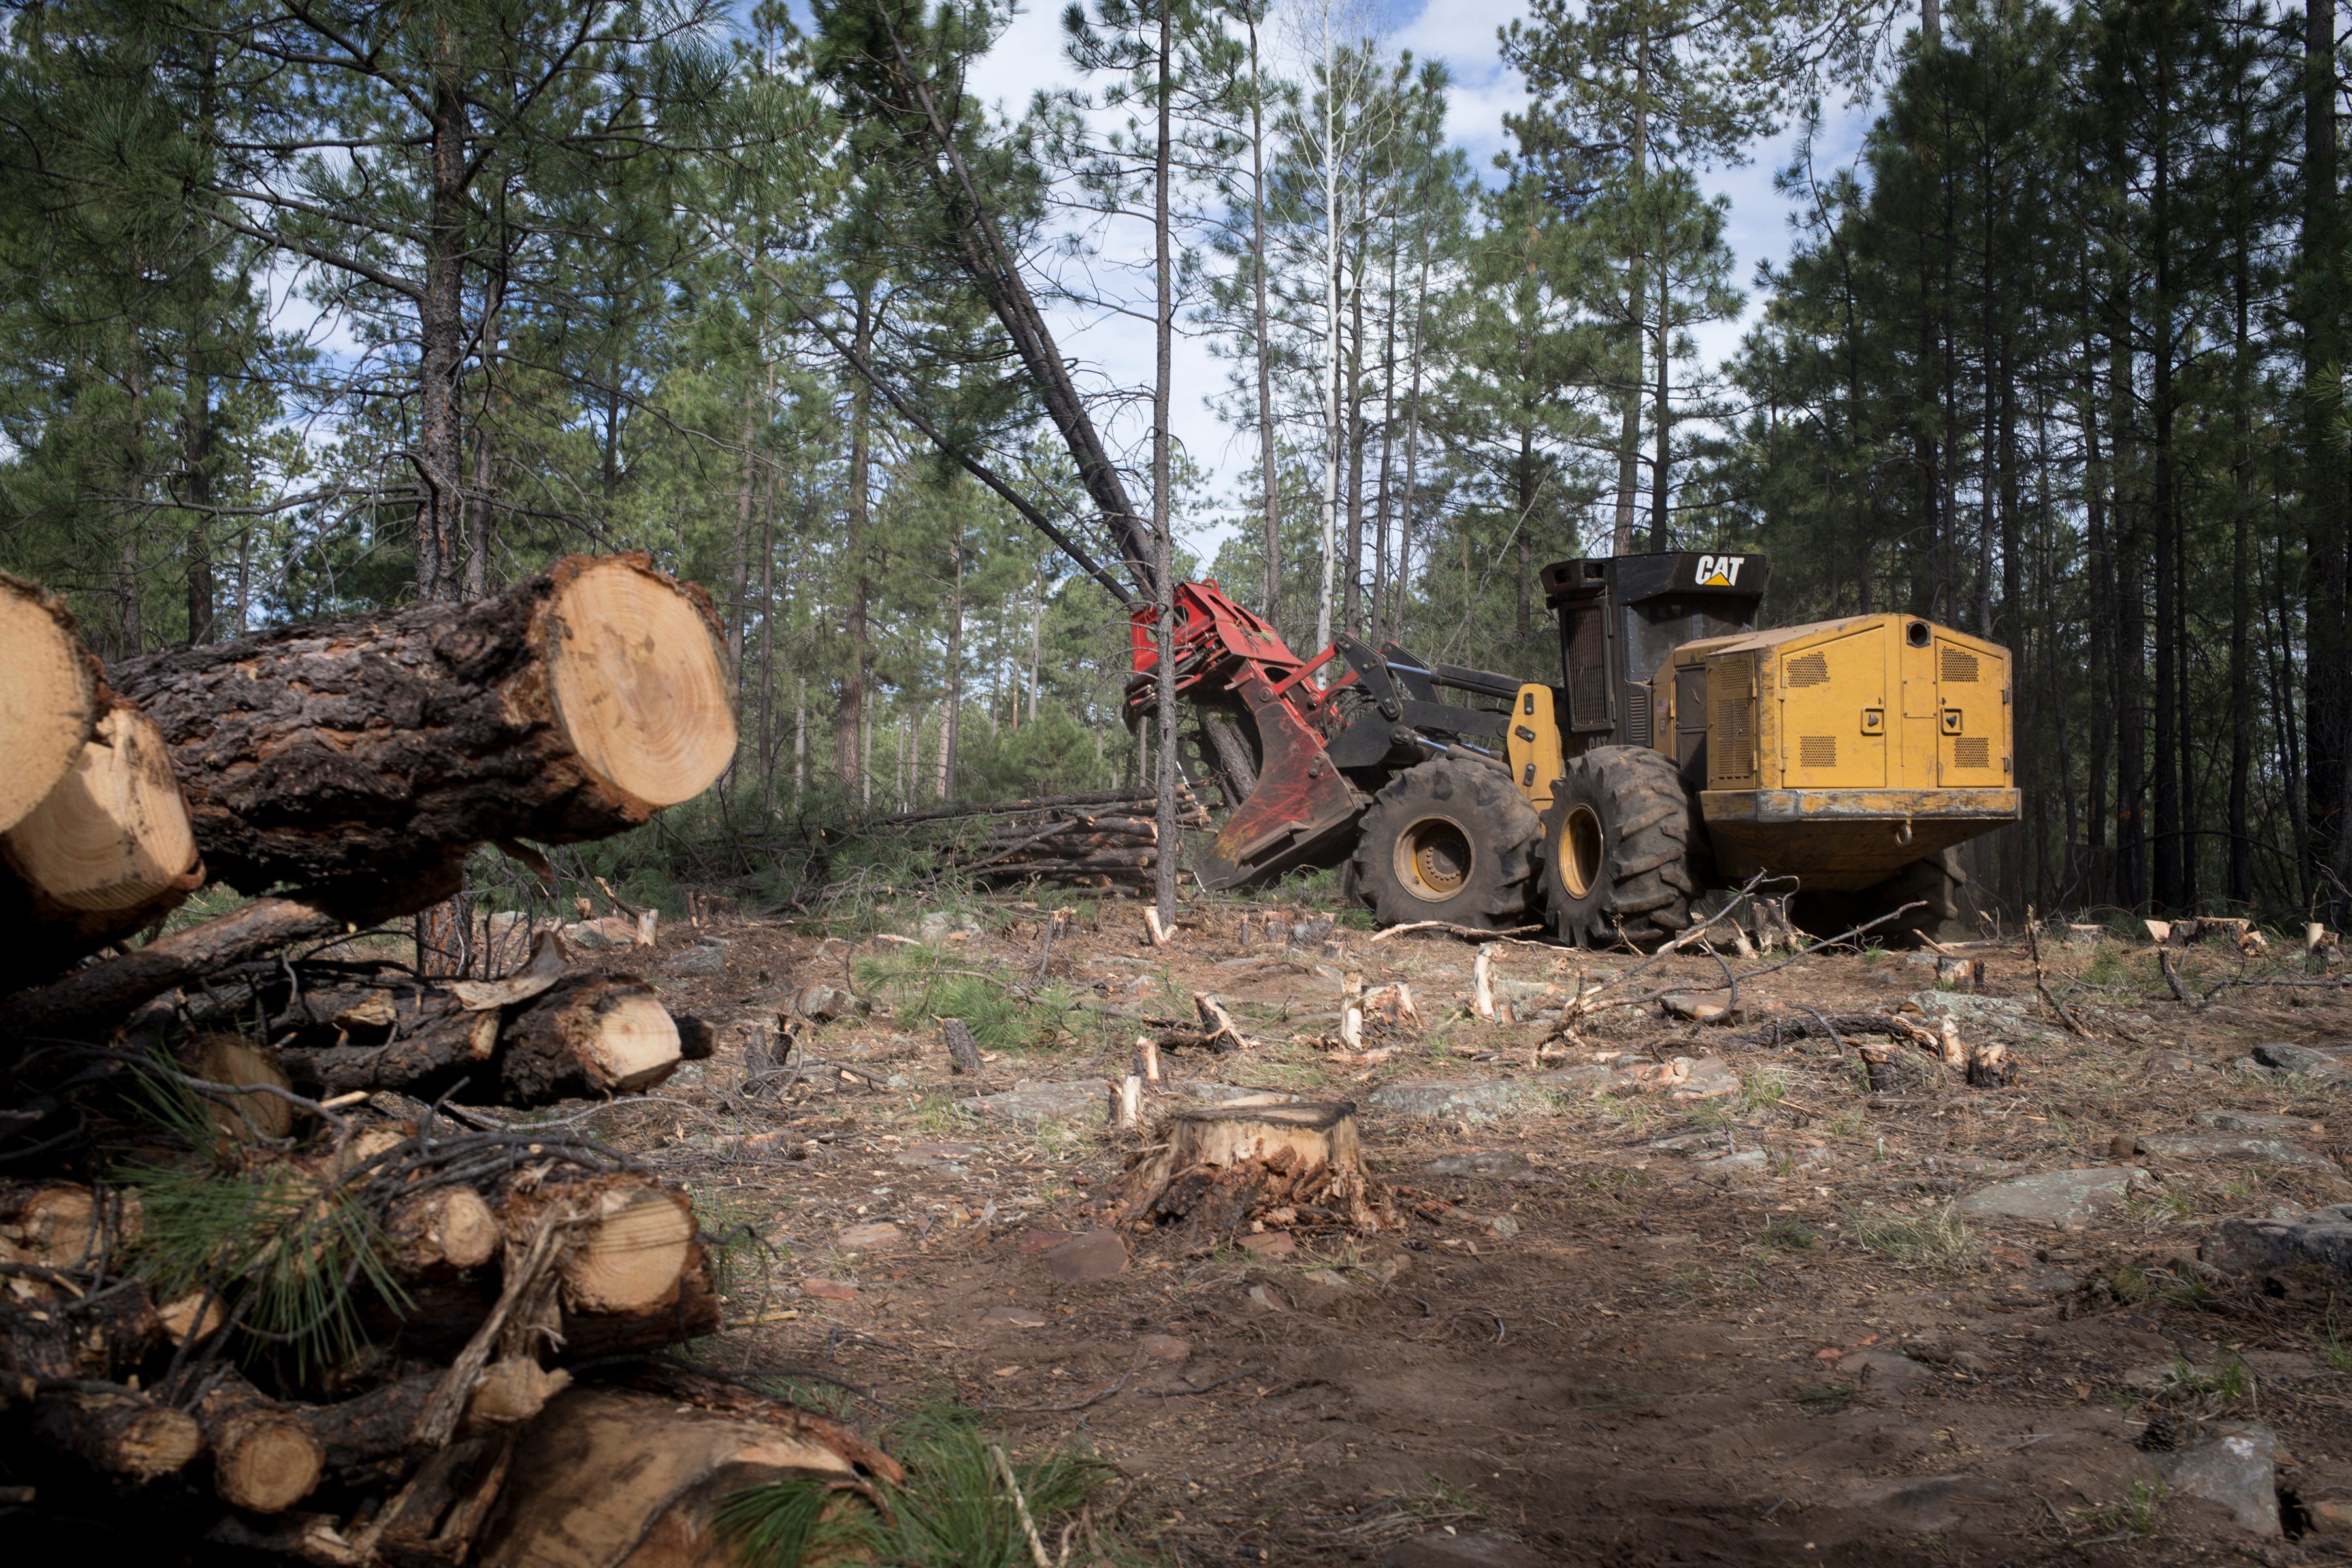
(1654, 628)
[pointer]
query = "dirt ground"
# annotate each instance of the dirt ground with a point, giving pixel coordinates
(1598, 1333)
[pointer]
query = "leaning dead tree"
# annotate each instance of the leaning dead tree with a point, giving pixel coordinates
(335, 1304)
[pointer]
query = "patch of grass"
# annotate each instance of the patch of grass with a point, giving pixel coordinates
(1939, 1240)
(2228, 1377)
(1846, 1124)
(1761, 1089)
(2161, 1208)
(2108, 967)
(2333, 1347)
(937, 1115)
(729, 1238)
(928, 982)
(1790, 1233)
(1875, 954)
(1833, 1392)
(953, 1510)
(1059, 1140)
(1634, 1115)
(2132, 1514)
(2248, 1184)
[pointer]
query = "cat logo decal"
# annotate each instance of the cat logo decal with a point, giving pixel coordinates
(1720, 571)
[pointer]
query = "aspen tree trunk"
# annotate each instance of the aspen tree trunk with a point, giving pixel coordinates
(1353, 591)
(1388, 448)
(1411, 435)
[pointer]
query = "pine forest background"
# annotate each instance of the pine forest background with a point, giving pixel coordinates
(2059, 359)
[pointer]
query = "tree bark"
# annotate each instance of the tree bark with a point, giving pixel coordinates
(569, 708)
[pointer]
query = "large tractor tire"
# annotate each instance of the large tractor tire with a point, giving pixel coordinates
(1622, 848)
(1934, 882)
(1447, 840)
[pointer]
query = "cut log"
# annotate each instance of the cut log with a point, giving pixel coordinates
(1217, 1165)
(122, 1434)
(697, 1038)
(233, 1060)
(455, 1045)
(608, 1477)
(265, 1457)
(589, 1036)
(569, 708)
(107, 852)
(631, 1253)
(55, 696)
(52, 1224)
(446, 1231)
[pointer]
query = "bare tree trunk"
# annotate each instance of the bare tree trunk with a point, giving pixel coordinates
(1269, 469)
(441, 354)
(1163, 520)
(849, 722)
(1629, 415)
(1331, 434)
(951, 719)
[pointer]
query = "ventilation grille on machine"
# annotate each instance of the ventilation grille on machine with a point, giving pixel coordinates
(1810, 669)
(1732, 747)
(1588, 668)
(1972, 751)
(1817, 750)
(1959, 664)
(1638, 730)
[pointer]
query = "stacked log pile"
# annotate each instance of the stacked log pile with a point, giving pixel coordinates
(275, 1267)
(1081, 843)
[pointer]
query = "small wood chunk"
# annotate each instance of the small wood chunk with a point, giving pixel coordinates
(1482, 985)
(1127, 1105)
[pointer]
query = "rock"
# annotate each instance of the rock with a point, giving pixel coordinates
(829, 1290)
(1269, 1244)
(1679, 1078)
(2237, 1470)
(2329, 1517)
(822, 1003)
(706, 957)
(1922, 1504)
(1165, 1347)
(1027, 1101)
(2001, 1016)
(2123, 1146)
(2280, 1056)
(1693, 1144)
(1095, 1255)
(1968, 1165)
(1326, 1277)
(1884, 1369)
(2233, 1146)
(1264, 1301)
(1484, 1163)
(1474, 1549)
(1503, 1226)
(1313, 932)
(1745, 1165)
(1969, 1362)
(606, 935)
(869, 1237)
(2066, 1199)
(2173, 1061)
(939, 925)
(2256, 1122)
(1013, 1317)
(1697, 1007)
(2250, 1245)
(1472, 1100)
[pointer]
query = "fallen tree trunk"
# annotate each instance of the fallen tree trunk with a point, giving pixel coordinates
(571, 706)
(55, 696)
(120, 1433)
(107, 852)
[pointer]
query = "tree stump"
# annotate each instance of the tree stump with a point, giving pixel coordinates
(1221, 1166)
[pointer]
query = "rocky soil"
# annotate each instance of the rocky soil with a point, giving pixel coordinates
(1657, 1290)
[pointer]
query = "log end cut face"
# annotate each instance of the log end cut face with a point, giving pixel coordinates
(266, 1464)
(46, 705)
(112, 834)
(631, 1254)
(639, 682)
(636, 1043)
